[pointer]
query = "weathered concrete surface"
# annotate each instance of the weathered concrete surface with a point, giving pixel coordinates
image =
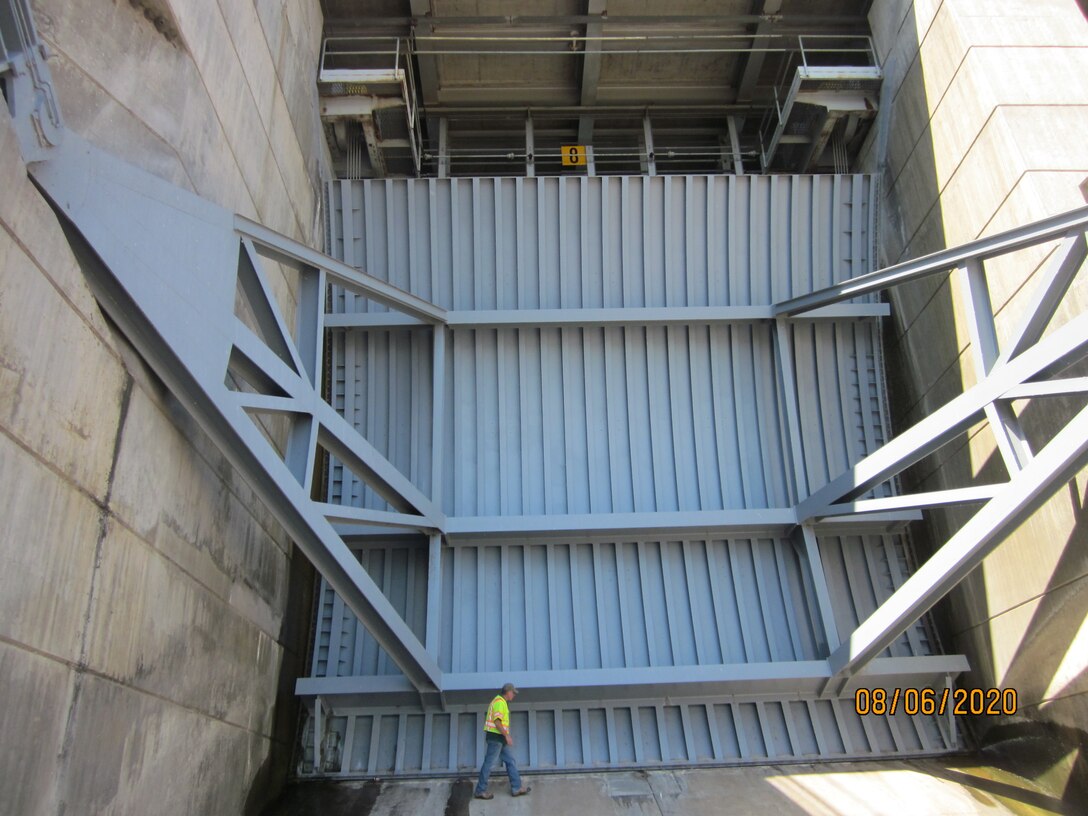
(226, 108)
(892, 788)
(986, 106)
(148, 602)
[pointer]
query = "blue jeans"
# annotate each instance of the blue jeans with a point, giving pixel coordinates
(501, 750)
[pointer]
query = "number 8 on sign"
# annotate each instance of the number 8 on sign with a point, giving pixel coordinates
(574, 155)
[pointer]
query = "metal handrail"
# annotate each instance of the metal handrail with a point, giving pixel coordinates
(395, 51)
(869, 50)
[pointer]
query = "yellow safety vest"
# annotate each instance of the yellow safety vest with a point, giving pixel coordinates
(498, 710)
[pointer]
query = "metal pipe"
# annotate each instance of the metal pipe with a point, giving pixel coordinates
(609, 37)
(597, 110)
(514, 21)
(628, 51)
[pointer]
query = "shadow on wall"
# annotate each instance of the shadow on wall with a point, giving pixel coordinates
(268, 782)
(1049, 662)
(1041, 646)
(909, 192)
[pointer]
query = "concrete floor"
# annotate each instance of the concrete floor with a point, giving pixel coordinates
(828, 789)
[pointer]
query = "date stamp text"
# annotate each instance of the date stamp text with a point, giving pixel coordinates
(911, 701)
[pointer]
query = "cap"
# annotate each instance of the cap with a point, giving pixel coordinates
(509, 687)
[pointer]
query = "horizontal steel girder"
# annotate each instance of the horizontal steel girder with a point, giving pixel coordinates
(689, 524)
(708, 522)
(608, 526)
(630, 683)
(627, 316)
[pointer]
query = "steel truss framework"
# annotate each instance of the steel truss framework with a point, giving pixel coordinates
(169, 267)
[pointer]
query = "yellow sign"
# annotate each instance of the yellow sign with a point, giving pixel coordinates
(574, 155)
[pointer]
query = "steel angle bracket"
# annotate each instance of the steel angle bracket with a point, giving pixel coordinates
(167, 267)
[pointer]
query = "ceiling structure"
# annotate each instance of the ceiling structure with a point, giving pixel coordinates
(693, 87)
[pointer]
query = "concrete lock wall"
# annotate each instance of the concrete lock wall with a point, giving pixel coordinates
(985, 110)
(145, 593)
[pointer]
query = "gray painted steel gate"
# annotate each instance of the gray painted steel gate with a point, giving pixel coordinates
(553, 440)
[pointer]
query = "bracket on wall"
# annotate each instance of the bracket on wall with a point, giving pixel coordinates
(169, 269)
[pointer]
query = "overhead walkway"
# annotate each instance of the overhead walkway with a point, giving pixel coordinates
(831, 95)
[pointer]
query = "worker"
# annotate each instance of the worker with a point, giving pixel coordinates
(498, 743)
